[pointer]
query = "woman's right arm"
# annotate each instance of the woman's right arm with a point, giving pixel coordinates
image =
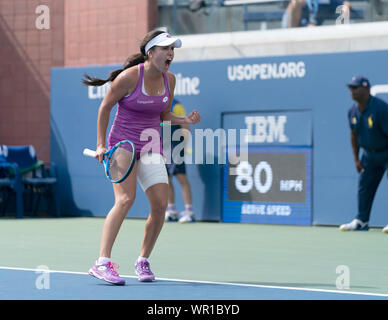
(121, 86)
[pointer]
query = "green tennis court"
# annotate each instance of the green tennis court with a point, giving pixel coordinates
(270, 256)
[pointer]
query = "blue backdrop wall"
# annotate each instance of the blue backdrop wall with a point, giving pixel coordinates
(313, 84)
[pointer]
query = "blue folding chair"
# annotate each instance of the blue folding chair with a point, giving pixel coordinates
(21, 171)
(10, 179)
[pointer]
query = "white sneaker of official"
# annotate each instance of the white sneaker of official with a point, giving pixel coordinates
(385, 229)
(354, 225)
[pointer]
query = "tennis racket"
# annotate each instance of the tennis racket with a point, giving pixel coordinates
(118, 161)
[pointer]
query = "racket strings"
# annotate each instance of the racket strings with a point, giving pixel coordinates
(120, 161)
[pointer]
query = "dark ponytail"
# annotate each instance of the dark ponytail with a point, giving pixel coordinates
(130, 62)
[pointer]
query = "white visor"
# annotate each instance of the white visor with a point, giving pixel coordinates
(163, 40)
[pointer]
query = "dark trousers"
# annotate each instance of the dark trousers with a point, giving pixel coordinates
(375, 164)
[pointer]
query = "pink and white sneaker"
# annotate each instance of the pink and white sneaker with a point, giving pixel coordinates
(107, 272)
(143, 271)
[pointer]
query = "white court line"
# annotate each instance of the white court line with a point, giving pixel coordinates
(212, 282)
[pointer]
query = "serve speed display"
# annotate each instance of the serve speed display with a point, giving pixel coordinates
(273, 185)
(269, 177)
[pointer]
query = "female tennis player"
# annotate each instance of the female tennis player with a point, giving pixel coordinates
(144, 90)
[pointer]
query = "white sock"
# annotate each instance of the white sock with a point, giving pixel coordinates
(188, 207)
(142, 259)
(103, 260)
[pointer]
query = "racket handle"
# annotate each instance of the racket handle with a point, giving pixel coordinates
(89, 153)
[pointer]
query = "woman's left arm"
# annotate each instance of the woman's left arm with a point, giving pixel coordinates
(166, 115)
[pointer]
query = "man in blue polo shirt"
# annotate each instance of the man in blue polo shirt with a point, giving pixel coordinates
(368, 120)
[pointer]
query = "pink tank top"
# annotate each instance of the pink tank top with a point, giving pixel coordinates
(138, 112)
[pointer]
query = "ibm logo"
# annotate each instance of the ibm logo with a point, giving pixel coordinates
(265, 129)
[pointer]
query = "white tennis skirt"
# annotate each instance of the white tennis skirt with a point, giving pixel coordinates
(151, 170)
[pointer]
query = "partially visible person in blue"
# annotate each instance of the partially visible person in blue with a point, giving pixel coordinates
(303, 13)
(368, 120)
(179, 171)
(328, 6)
